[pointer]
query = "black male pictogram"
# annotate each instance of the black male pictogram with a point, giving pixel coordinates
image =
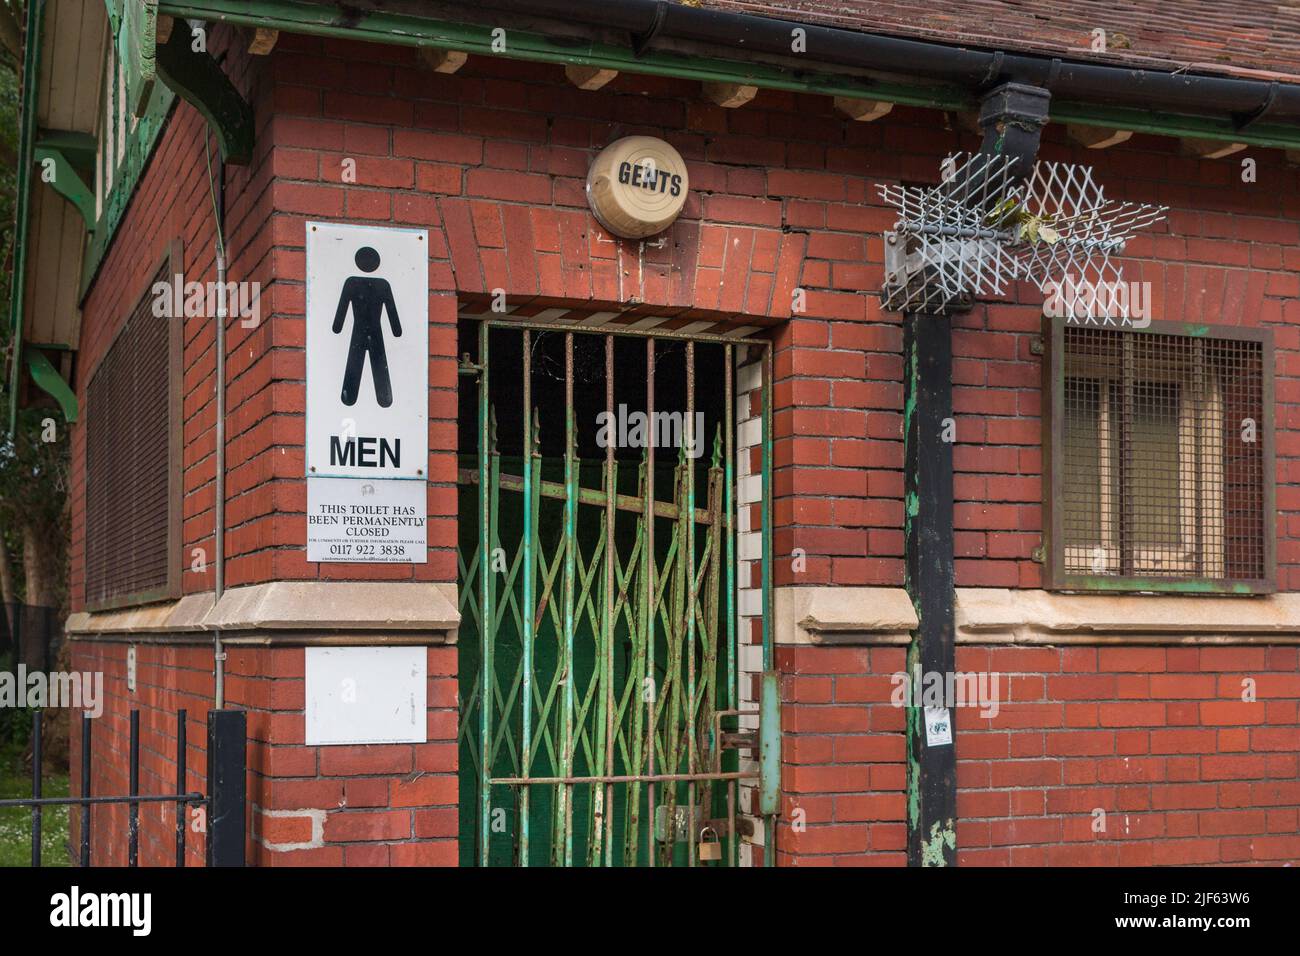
(367, 296)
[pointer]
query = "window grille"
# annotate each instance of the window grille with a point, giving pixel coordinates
(1161, 459)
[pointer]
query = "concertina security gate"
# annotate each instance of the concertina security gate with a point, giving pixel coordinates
(609, 658)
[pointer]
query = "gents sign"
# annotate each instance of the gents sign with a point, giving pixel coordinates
(637, 186)
(367, 351)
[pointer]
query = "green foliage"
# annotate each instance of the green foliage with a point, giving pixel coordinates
(1010, 214)
(16, 822)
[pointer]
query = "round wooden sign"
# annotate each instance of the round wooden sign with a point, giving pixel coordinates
(637, 186)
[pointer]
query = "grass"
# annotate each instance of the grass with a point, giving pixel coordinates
(16, 822)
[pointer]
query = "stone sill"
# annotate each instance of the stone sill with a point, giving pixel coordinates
(1028, 616)
(847, 616)
(842, 615)
(289, 612)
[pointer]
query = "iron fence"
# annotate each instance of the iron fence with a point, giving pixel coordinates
(225, 803)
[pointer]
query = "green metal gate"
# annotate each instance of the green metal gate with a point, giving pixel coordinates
(598, 653)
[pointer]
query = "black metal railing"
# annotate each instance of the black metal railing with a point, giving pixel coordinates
(225, 803)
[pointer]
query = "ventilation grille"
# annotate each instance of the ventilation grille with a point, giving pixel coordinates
(128, 428)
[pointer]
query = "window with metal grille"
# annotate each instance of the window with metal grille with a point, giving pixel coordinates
(1161, 458)
(132, 463)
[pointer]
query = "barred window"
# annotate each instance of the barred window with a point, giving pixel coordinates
(1161, 458)
(133, 462)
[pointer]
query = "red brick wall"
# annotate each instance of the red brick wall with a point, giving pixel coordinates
(1158, 738)
(844, 785)
(365, 805)
(171, 202)
(492, 161)
(1228, 255)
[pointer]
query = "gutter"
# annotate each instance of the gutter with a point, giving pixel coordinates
(654, 21)
(669, 39)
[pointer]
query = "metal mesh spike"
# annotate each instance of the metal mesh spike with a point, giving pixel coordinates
(983, 227)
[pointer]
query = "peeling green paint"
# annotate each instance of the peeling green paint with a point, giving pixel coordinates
(139, 148)
(1084, 583)
(914, 730)
(932, 849)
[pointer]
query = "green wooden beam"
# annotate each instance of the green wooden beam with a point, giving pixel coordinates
(1171, 124)
(139, 147)
(114, 10)
(327, 19)
(48, 378)
(199, 80)
(136, 42)
(58, 172)
(78, 147)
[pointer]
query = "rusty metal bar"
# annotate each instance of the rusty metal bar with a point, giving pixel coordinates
(650, 691)
(628, 778)
(611, 492)
(587, 496)
(629, 332)
(529, 623)
(564, 811)
(486, 609)
(731, 635)
(689, 439)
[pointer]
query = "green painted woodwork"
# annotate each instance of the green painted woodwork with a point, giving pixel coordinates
(78, 147)
(136, 48)
(48, 378)
(199, 80)
(139, 147)
(58, 172)
(114, 9)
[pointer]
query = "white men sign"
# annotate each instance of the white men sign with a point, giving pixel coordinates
(367, 393)
(367, 351)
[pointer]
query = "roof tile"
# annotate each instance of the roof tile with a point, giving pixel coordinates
(1247, 38)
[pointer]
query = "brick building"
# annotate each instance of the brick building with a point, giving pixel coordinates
(1101, 522)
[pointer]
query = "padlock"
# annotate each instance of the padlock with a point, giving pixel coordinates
(710, 849)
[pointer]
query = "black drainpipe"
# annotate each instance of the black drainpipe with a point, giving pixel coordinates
(1012, 117)
(1241, 101)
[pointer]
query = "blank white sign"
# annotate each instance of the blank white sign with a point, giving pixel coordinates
(366, 695)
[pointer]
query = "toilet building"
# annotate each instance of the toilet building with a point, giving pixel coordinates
(502, 405)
